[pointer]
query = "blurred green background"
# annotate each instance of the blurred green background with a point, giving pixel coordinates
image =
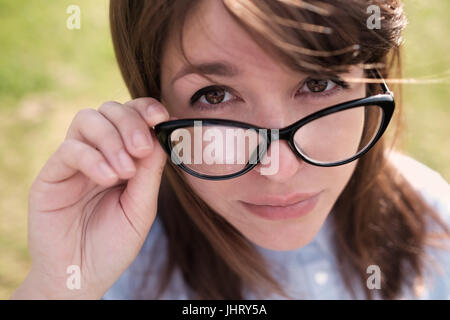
(48, 73)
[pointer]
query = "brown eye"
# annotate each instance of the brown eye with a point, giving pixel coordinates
(317, 85)
(214, 96)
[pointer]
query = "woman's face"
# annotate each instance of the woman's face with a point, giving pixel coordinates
(262, 92)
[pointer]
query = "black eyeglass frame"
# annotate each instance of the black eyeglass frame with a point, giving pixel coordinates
(384, 100)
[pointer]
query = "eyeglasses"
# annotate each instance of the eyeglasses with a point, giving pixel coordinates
(219, 149)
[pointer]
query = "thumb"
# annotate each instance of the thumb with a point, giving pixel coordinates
(140, 197)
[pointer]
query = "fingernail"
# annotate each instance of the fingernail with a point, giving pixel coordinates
(125, 161)
(156, 113)
(141, 141)
(106, 170)
(152, 110)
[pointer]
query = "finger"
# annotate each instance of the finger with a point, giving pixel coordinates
(93, 128)
(74, 156)
(150, 109)
(132, 127)
(139, 199)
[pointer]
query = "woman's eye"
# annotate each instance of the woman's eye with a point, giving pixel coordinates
(211, 96)
(214, 96)
(318, 85)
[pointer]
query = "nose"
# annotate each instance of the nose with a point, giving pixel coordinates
(280, 163)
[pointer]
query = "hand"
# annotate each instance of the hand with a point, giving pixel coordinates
(95, 199)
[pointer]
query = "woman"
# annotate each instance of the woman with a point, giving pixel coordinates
(319, 208)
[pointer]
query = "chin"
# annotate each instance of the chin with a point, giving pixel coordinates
(291, 237)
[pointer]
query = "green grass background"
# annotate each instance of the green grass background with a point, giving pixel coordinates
(48, 73)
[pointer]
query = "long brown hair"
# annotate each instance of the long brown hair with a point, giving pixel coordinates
(378, 219)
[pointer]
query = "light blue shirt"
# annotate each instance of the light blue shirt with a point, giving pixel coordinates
(310, 272)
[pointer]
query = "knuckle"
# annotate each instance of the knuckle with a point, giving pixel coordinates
(105, 106)
(82, 117)
(142, 103)
(84, 113)
(71, 146)
(118, 114)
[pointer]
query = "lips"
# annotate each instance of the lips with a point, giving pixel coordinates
(279, 208)
(280, 200)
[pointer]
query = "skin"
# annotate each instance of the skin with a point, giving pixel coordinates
(264, 94)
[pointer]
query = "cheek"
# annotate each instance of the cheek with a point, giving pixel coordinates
(215, 193)
(336, 180)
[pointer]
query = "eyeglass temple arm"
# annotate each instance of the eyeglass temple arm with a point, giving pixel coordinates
(383, 84)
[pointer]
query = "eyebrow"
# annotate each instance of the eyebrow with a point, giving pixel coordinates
(218, 68)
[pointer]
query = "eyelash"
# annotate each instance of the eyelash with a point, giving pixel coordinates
(315, 95)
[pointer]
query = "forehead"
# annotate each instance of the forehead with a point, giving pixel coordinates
(211, 34)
